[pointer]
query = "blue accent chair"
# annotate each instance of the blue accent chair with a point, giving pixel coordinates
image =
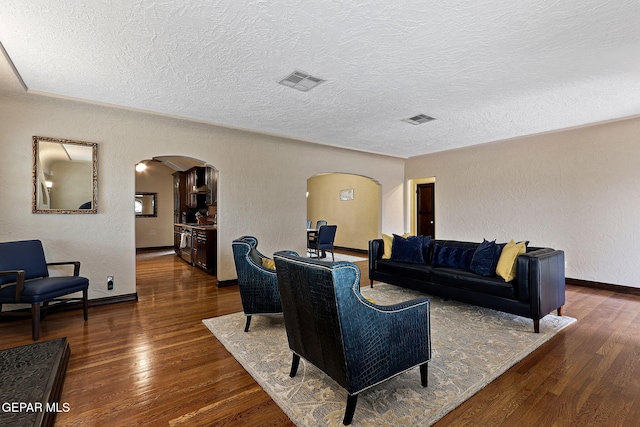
(24, 279)
(258, 284)
(331, 325)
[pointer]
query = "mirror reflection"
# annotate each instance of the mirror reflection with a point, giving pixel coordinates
(64, 176)
(145, 205)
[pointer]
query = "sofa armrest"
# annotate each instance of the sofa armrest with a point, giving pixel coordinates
(541, 280)
(376, 250)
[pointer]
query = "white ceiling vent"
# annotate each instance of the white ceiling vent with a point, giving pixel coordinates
(419, 119)
(301, 81)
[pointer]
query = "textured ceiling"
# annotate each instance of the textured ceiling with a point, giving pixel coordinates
(486, 70)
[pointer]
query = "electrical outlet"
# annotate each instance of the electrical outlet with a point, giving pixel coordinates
(109, 283)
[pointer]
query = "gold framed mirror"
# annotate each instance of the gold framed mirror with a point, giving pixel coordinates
(65, 176)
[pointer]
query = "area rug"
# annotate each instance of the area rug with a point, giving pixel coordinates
(471, 346)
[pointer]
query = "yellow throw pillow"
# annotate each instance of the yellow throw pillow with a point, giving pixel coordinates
(388, 242)
(507, 263)
(268, 263)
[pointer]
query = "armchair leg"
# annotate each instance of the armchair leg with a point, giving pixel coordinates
(246, 326)
(560, 311)
(351, 409)
(35, 321)
(295, 362)
(536, 326)
(424, 377)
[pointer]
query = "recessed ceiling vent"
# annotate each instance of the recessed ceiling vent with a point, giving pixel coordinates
(301, 81)
(419, 119)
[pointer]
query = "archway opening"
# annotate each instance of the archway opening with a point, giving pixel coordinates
(352, 202)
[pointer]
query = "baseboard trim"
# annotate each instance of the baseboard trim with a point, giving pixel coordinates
(605, 286)
(76, 304)
(153, 248)
(225, 283)
(344, 248)
(113, 300)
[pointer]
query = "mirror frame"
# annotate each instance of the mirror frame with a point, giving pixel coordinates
(155, 205)
(94, 179)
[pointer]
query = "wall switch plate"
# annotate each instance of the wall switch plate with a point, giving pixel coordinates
(109, 283)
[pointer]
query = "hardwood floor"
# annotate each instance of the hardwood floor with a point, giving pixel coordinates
(154, 363)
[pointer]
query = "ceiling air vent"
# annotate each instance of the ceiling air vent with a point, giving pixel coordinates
(301, 81)
(419, 119)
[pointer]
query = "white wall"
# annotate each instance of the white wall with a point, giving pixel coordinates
(261, 190)
(577, 190)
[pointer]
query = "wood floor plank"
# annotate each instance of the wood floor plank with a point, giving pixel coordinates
(153, 362)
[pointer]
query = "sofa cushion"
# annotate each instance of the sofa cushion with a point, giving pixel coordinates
(407, 249)
(485, 258)
(446, 256)
(402, 269)
(506, 267)
(468, 280)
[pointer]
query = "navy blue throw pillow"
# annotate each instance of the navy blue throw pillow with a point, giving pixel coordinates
(445, 256)
(407, 250)
(425, 248)
(485, 258)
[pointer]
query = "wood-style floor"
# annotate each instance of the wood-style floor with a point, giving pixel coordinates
(154, 363)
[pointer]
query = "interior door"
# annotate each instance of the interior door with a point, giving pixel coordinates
(425, 215)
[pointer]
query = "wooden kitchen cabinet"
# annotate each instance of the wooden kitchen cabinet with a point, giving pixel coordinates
(204, 252)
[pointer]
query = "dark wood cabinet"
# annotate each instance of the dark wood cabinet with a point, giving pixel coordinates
(204, 249)
(179, 196)
(197, 188)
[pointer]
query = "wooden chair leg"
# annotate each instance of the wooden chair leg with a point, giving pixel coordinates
(246, 325)
(85, 304)
(351, 409)
(560, 311)
(35, 321)
(536, 326)
(295, 362)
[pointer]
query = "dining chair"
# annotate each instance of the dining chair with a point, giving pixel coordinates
(324, 241)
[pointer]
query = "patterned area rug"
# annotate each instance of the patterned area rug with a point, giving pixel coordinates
(471, 346)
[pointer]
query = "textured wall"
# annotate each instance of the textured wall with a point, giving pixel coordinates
(576, 190)
(262, 181)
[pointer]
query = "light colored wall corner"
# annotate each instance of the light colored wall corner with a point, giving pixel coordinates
(575, 190)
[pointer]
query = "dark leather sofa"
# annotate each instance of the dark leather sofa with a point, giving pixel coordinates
(539, 287)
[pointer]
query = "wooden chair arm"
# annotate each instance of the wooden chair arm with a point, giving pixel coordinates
(76, 266)
(19, 280)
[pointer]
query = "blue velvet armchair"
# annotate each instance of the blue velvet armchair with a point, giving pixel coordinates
(24, 279)
(258, 284)
(331, 325)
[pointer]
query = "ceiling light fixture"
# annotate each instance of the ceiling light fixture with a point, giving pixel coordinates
(301, 81)
(419, 119)
(140, 167)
